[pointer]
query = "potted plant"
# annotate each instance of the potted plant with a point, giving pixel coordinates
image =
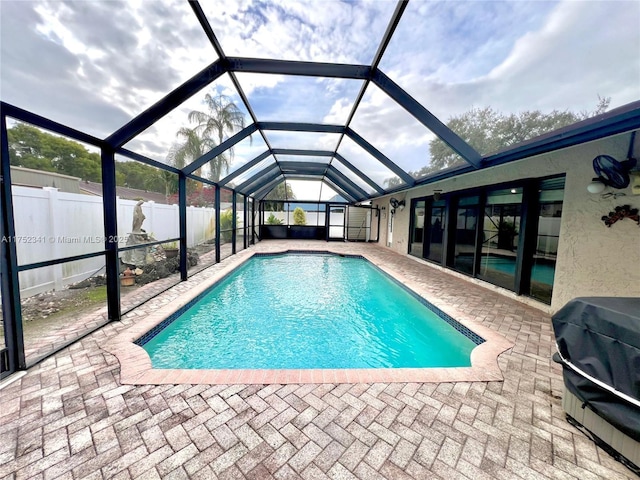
(128, 278)
(273, 220)
(170, 249)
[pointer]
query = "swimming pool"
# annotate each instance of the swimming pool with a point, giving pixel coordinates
(308, 311)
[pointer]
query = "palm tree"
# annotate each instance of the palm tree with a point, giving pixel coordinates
(191, 147)
(222, 117)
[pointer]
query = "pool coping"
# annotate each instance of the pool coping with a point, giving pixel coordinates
(136, 368)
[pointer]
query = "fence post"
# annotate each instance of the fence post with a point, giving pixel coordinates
(182, 218)
(151, 225)
(54, 215)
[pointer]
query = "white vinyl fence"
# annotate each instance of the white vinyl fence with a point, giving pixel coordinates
(51, 224)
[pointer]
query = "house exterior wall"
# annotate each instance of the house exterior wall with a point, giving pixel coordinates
(38, 178)
(593, 260)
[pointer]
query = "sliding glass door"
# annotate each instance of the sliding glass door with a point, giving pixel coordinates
(417, 229)
(543, 259)
(501, 230)
(434, 238)
(466, 222)
(506, 235)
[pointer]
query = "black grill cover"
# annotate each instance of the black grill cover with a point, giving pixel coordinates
(601, 336)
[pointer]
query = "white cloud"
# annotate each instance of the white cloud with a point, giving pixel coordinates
(100, 63)
(95, 65)
(309, 30)
(525, 56)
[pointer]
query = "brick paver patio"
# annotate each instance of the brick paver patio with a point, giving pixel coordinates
(70, 417)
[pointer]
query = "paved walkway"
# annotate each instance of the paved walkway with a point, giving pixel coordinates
(70, 417)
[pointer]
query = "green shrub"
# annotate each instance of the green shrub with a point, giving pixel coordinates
(226, 223)
(273, 220)
(299, 217)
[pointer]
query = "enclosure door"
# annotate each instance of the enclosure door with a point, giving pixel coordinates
(336, 222)
(358, 224)
(5, 369)
(9, 344)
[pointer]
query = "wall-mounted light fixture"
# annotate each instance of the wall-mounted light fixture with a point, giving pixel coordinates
(596, 186)
(610, 173)
(437, 194)
(397, 204)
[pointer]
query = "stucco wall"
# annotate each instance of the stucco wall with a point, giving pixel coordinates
(593, 260)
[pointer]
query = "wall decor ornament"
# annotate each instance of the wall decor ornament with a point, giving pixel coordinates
(621, 212)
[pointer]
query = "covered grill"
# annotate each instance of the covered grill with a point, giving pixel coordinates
(598, 340)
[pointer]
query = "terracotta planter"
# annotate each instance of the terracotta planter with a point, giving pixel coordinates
(127, 281)
(171, 252)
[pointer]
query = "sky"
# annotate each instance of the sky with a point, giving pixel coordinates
(94, 65)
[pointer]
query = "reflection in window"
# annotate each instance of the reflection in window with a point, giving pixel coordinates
(546, 251)
(465, 234)
(417, 235)
(435, 236)
(501, 227)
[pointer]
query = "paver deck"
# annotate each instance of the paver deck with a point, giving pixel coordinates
(71, 417)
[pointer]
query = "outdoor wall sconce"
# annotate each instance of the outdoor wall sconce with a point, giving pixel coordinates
(397, 204)
(437, 195)
(610, 173)
(596, 186)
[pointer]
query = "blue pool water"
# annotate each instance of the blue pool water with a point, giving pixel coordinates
(309, 311)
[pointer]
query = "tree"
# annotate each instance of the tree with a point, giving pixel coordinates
(222, 117)
(30, 147)
(190, 146)
(275, 198)
(33, 148)
(299, 217)
(134, 174)
(488, 131)
(204, 197)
